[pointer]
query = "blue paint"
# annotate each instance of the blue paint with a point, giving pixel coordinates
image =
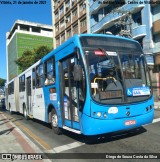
(89, 123)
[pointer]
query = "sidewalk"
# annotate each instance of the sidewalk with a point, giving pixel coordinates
(157, 105)
(13, 140)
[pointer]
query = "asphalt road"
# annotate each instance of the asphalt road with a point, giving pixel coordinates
(145, 139)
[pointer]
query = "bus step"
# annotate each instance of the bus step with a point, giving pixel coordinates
(71, 130)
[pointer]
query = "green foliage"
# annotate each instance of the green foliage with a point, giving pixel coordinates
(29, 57)
(26, 60)
(2, 82)
(40, 52)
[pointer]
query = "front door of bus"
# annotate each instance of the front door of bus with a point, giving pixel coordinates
(29, 96)
(69, 94)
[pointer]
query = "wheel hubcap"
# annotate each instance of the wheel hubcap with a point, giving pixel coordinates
(54, 120)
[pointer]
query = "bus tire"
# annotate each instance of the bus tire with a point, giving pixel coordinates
(25, 113)
(54, 123)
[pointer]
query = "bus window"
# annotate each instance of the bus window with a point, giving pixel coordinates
(49, 72)
(34, 78)
(132, 67)
(39, 76)
(22, 83)
(11, 88)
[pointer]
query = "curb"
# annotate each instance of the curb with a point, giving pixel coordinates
(31, 144)
(156, 105)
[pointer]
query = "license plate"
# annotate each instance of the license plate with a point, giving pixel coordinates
(130, 122)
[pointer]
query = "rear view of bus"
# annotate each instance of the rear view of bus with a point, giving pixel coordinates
(119, 85)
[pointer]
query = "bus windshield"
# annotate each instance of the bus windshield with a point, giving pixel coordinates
(117, 75)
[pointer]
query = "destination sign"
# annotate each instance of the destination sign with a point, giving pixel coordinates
(110, 94)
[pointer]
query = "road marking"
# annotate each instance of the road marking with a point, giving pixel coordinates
(156, 120)
(35, 137)
(66, 147)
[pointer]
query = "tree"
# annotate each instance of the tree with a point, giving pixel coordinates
(2, 82)
(29, 57)
(40, 52)
(26, 60)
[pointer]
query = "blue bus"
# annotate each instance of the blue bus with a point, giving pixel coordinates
(91, 84)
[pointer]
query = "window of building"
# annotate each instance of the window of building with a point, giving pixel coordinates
(68, 33)
(50, 71)
(67, 5)
(137, 18)
(58, 40)
(39, 76)
(108, 9)
(62, 23)
(22, 83)
(56, 15)
(83, 23)
(56, 2)
(73, 2)
(63, 37)
(62, 10)
(74, 13)
(36, 29)
(82, 7)
(68, 18)
(75, 29)
(57, 27)
(95, 17)
(156, 38)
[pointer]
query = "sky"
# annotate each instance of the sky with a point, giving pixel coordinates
(9, 13)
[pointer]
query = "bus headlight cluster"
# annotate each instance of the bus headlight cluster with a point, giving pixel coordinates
(149, 108)
(105, 115)
(100, 114)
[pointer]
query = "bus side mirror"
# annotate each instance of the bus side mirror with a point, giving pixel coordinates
(77, 72)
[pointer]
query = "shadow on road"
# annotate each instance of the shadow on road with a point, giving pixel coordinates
(7, 131)
(90, 140)
(109, 137)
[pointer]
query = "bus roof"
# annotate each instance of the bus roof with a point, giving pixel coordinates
(75, 39)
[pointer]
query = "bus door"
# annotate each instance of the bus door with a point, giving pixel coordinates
(69, 94)
(29, 96)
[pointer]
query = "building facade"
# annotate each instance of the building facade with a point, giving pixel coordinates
(141, 19)
(121, 16)
(156, 50)
(138, 19)
(23, 36)
(69, 17)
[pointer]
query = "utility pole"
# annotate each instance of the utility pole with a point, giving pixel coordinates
(125, 20)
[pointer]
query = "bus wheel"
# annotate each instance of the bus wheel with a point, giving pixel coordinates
(25, 112)
(54, 123)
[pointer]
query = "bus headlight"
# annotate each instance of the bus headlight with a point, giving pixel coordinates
(99, 114)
